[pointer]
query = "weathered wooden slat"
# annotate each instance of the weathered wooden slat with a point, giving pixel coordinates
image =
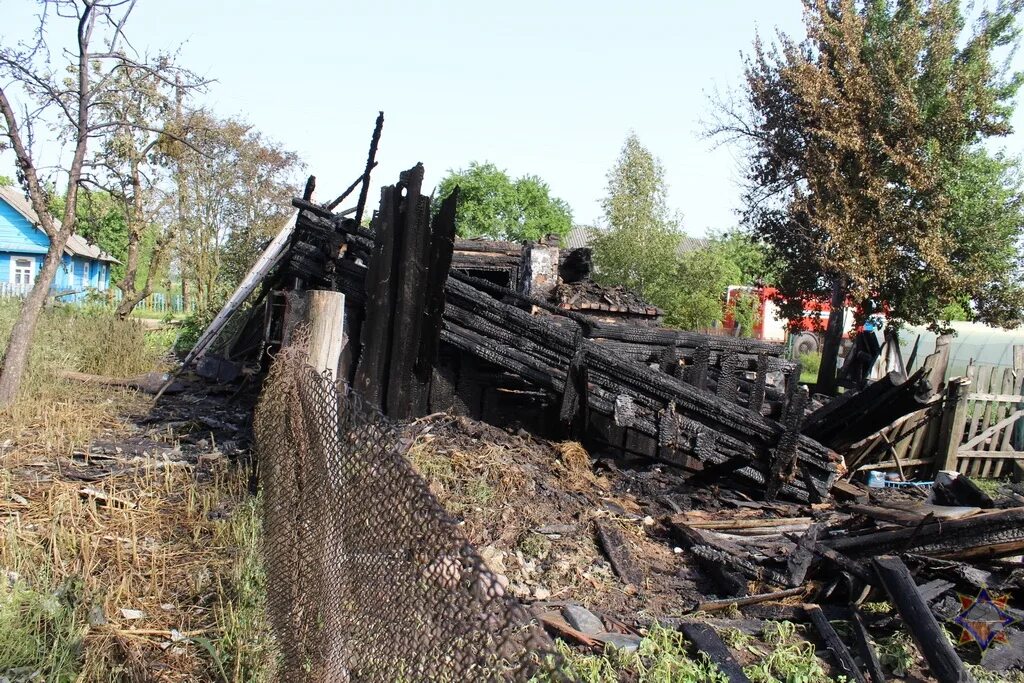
(981, 381)
(1004, 443)
(1002, 455)
(891, 464)
(1009, 397)
(993, 429)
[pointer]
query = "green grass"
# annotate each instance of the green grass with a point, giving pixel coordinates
(244, 649)
(41, 634)
(661, 658)
(991, 486)
(809, 364)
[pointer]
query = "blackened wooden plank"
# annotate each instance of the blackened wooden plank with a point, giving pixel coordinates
(943, 661)
(868, 655)
(835, 645)
(708, 641)
(614, 545)
(412, 246)
(371, 375)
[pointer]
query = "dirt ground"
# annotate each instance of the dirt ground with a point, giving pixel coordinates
(530, 508)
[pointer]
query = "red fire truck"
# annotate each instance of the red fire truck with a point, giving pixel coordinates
(772, 326)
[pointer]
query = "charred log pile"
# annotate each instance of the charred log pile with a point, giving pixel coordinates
(721, 407)
(506, 333)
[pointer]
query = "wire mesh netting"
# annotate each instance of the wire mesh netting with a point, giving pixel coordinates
(368, 576)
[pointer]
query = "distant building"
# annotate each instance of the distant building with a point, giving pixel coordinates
(583, 236)
(23, 246)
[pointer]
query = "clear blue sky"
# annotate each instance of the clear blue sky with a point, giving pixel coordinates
(543, 87)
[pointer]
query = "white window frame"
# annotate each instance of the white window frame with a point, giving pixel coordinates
(86, 273)
(15, 270)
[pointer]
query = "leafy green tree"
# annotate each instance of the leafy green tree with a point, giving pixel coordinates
(748, 255)
(493, 205)
(866, 175)
(234, 189)
(638, 243)
(101, 221)
(702, 278)
(5, 181)
(638, 247)
(68, 86)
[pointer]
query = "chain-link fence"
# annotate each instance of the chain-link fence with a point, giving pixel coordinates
(368, 576)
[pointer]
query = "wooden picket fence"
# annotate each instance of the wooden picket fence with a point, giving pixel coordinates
(992, 420)
(10, 290)
(975, 427)
(907, 446)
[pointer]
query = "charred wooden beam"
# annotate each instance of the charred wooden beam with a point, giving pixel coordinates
(708, 641)
(835, 644)
(381, 290)
(410, 269)
(370, 163)
(868, 655)
(943, 662)
(984, 536)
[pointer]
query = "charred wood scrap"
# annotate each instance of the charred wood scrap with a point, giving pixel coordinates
(983, 536)
(706, 427)
(865, 648)
(842, 655)
(710, 643)
(854, 416)
(616, 549)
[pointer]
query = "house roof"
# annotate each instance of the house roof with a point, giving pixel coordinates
(76, 244)
(583, 236)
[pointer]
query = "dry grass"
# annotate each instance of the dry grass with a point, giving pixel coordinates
(175, 545)
(53, 416)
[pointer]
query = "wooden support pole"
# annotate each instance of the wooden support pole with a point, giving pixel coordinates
(1018, 370)
(945, 665)
(954, 419)
(325, 315)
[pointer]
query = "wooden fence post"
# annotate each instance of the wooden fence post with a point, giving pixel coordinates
(954, 418)
(1018, 429)
(325, 314)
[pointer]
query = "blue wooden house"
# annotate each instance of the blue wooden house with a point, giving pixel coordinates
(23, 246)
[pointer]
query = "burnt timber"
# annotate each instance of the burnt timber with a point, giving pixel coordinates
(436, 336)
